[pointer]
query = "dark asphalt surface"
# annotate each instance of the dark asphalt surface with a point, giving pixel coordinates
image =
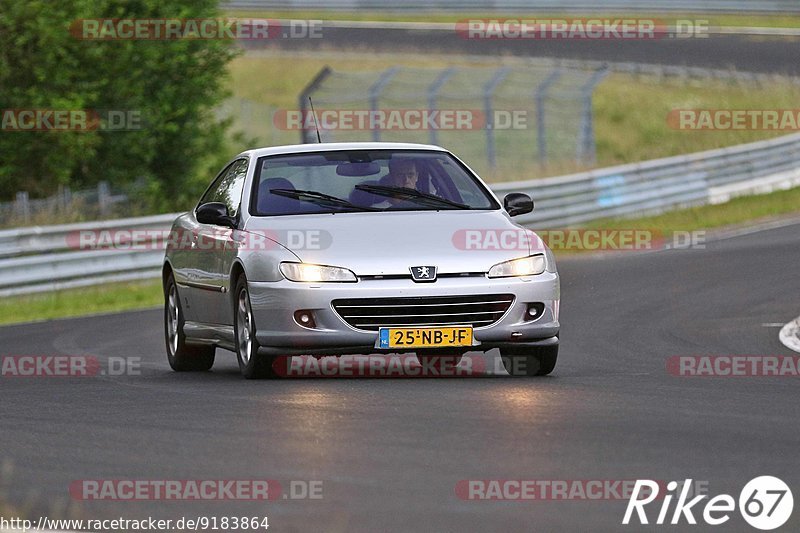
(738, 52)
(390, 451)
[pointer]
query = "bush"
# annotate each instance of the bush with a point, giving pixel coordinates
(173, 86)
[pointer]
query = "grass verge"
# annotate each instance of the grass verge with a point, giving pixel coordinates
(739, 212)
(744, 209)
(108, 298)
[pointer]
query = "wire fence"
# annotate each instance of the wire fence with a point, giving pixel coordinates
(66, 205)
(505, 118)
(532, 113)
(537, 113)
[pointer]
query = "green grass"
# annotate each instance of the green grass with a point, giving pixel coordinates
(741, 211)
(738, 211)
(109, 298)
(757, 20)
(631, 115)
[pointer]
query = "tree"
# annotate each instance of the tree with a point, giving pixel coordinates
(172, 86)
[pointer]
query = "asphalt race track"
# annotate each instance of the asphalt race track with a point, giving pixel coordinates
(390, 452)
(739, 52)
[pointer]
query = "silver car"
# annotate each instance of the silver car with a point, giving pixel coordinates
(357, 248)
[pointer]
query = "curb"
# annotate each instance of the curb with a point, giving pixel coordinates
(790, 335)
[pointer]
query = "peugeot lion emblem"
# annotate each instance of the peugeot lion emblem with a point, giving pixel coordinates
(423, 273)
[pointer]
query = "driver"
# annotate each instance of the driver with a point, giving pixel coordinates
(402, 173)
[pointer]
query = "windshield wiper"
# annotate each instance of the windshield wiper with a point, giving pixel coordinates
(406, 193)
(319, 198)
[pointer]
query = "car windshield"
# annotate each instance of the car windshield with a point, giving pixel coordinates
(373, 180)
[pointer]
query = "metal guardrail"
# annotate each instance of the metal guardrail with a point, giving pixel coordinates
(47, 258)
(522, 6)
(659, 185)
(40, 259)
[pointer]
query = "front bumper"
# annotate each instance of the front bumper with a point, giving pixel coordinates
(274, 305)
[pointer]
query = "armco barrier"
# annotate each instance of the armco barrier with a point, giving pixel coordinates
(662, 184)
(41, 259)
(44, 258)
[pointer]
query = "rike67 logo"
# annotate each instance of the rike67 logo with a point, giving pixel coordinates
(765, 503)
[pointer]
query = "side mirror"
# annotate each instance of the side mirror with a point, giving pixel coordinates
(517, 203)
(215, 213)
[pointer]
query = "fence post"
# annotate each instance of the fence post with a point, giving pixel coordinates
(271, 114)
(22, 206)
(488, 92)
(586, 143)
(375, 93)
(103, 197)
(310, 136)
(64, 198)
(541, 129)
(433, 92)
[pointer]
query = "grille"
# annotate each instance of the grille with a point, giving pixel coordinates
(373, 313)
(438, 276)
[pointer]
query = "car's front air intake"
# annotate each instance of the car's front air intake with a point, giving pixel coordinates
(373, 313)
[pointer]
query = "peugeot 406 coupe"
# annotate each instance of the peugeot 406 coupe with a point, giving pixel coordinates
(357, 248)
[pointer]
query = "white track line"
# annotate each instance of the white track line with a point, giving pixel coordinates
(790, 335)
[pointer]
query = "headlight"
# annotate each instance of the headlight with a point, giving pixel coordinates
(316, 273)
(524, 266)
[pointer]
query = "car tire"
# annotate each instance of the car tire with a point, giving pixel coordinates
(251, 364)
(536, 361)
(182, 357)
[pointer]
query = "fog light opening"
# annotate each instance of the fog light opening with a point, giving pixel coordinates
(305, 318)
(535, 311)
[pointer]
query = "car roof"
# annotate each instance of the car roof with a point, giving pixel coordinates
(329, 147)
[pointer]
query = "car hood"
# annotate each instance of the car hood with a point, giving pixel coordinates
(389, 243)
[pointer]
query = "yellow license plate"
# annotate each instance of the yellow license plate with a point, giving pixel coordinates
(428, 337)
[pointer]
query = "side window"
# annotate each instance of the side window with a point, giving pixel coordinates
(228, 187)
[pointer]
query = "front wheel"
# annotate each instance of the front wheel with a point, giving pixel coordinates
(251, 364)
(535, 361)
(181, 357)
